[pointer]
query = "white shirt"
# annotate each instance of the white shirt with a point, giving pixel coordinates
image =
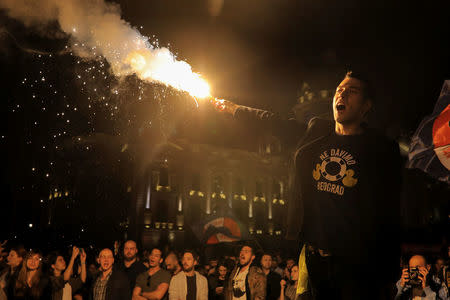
(67, 292)
(239, 284)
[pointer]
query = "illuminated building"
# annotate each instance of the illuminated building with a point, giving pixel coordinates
(187, 183)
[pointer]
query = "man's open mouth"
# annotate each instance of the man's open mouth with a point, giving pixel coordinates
(340, 107)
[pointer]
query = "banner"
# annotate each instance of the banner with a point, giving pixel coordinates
(220, 228)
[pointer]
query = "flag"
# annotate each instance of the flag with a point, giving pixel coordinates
(430, 144)
(303, 276)
(220, 228)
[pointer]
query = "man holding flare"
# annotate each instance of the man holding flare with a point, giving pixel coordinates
(344, 194)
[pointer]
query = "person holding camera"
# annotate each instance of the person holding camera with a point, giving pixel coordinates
(414, 282)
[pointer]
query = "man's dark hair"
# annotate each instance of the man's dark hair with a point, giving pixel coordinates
(51, 259)
(248, 245)
(193, 253)
(20, 251)
(290, 258)
(368, 89)
(156, 248)
(267, 253)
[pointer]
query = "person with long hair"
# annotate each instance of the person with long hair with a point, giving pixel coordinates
(63, 283)
(31, 284)
(289, 287)
(9, 275)
(217, 280)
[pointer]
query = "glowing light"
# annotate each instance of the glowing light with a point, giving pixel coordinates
(160, 65)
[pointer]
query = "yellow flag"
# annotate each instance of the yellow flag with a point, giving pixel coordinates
(302, 285)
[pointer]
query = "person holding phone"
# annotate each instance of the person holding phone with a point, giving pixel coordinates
(64, 285)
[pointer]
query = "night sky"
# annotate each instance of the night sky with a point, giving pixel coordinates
(62, 115)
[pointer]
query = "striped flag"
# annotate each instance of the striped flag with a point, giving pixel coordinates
(430, 144)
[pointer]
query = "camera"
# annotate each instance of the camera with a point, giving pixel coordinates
(237, 292)
(414, 278)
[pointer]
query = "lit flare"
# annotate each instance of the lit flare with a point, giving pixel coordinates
(160, 65)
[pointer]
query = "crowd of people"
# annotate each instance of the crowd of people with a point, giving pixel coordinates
(124, 272)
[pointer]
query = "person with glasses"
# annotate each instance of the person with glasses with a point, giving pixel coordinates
(154, 283)
(110, 284)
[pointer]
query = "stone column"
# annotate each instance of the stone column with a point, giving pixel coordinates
(269, 197)
(206, 186)
(229, 188)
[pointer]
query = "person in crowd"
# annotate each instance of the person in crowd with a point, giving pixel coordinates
(438, 268)
(202, 270)
(31, 283)
(130, 265)
(216, 282)
(286, 273)
(230, 263)
(9, 274)
(172, 263)
(154, 283)
(415, 281)
(290, 262)
(212, 264)
(289, 287)
(272, 279)
(93, 270)
(276, 267)
(145, 256)
(110, 284)
(64, 285)
(246, 281)
(438, 280)
(188, 284)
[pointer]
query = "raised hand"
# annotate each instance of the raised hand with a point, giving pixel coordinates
(423, 276)
(83, 256)
(75, 252)
(405, 277)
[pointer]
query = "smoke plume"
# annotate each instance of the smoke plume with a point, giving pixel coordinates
(97, 29)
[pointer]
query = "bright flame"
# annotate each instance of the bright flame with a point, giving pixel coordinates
(160, 65)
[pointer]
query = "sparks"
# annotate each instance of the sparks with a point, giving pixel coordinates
(160, 65)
